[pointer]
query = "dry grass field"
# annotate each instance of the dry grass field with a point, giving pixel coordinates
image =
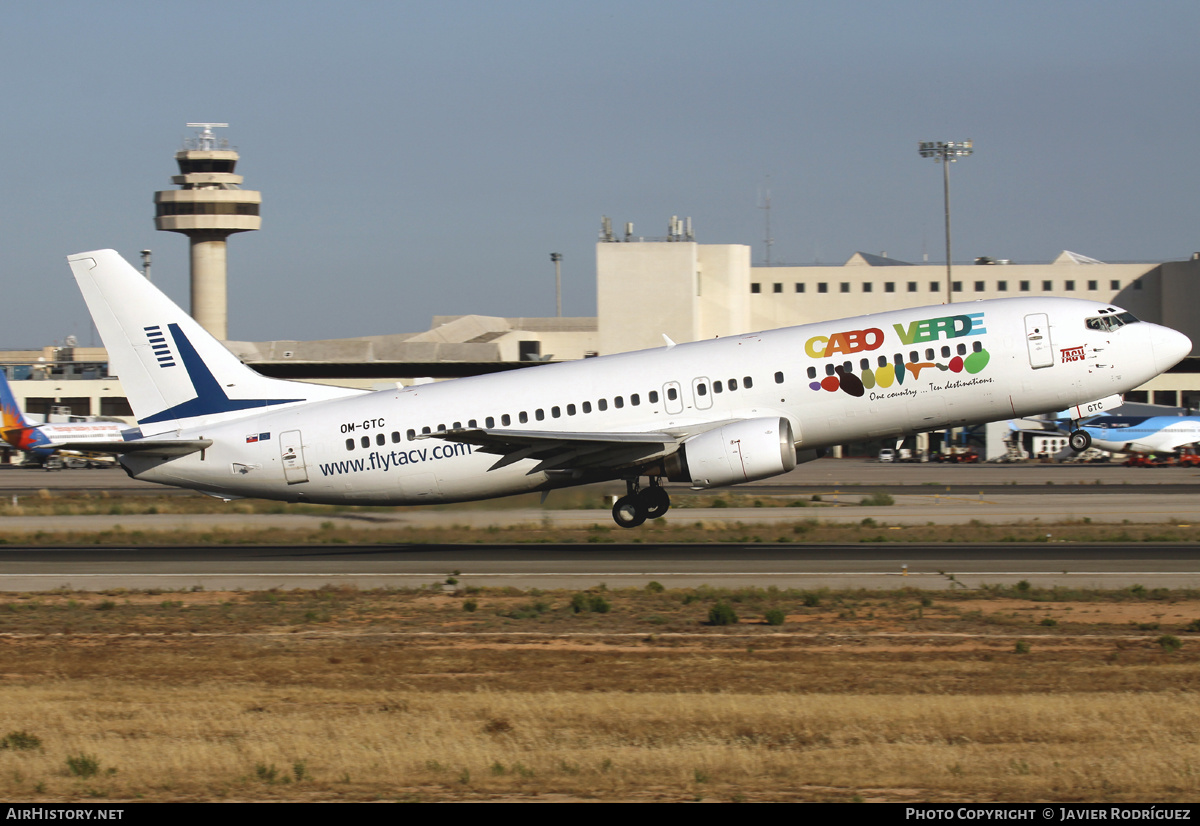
(999, 695)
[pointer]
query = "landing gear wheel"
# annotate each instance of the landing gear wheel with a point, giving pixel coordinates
(1079, 440)
(628, 512)
(655, 501)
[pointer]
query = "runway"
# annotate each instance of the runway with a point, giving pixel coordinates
(257, 567)
(1043, 495)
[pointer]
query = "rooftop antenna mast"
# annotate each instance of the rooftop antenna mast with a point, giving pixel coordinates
(766, 207)
(206, 140)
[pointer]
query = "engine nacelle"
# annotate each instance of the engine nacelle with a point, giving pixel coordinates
(738, 452)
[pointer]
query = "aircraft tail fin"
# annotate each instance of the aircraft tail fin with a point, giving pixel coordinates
(15, 429)
(173, 371)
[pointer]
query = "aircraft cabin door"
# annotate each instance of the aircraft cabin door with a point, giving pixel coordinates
(1037, 337)
(702, 393)
(291, 452)
(672, 397)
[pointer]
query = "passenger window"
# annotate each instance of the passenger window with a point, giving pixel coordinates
(523, 417)
(458, 425)
(829, 371)
(411, 434)
(672, 394)
(748, 382)
(864, 364)
(653, 396)
(619, 402)
(441, 428)
(701, 390)
(962, 349)
(732, 385)
(635, 399)
(349, 444)
(882, 361)
(977, 346)
(489, 421)
(913, 356)
(539, 414)
(717, 388)
(425, 430)
(555, 412)
(779, 376)
(587, 407)
(945, 352)
(812, 371)
(366, 441)
(380, 439)
(395, 436)
(472, 423)
(570, 410)
(602, 404)
(505, 420)
(929, 354)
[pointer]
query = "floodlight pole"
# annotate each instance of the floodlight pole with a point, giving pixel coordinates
(946, 153)
(556, 257)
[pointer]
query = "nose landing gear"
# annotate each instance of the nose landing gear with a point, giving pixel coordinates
(639, 504)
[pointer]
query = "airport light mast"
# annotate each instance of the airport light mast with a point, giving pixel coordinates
(208, 208)
(946, 153)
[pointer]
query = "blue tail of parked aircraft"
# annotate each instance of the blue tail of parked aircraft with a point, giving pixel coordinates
(14, 427)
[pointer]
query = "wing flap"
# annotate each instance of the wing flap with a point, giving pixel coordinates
(557, 449)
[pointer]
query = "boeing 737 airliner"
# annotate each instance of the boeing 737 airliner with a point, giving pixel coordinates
(710, 413)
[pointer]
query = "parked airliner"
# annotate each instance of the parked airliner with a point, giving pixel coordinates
(1142, 434)
(44, 440)
(711, 413)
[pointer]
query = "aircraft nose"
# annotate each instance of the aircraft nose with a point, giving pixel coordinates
(1170, 347)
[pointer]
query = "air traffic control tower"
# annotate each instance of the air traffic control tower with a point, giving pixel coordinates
(208, 208)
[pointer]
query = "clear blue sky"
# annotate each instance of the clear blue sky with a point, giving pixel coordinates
(425, 158)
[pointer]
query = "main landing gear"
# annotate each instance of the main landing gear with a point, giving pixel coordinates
(1079, 440)
(639, 504)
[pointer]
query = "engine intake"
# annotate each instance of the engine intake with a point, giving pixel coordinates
(738, 452)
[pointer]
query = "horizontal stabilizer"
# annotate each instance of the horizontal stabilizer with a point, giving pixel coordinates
(165, 448)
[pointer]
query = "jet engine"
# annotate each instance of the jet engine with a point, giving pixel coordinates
(738, 452)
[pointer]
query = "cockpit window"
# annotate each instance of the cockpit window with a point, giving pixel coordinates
(1111, 322)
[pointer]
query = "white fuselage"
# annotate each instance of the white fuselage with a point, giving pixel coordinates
(875, 376)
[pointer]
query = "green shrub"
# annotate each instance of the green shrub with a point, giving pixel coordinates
(83, 765)
(722, 614)
(1022, 647)
(775, 616)
(1169, 643)
(21, 741)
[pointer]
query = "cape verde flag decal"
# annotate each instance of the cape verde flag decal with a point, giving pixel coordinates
(158, 342)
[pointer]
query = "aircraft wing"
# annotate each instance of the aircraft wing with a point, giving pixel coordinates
(166, 448)
(557, 449)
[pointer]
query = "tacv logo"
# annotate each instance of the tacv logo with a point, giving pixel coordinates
(158, 342)
(210, 396)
